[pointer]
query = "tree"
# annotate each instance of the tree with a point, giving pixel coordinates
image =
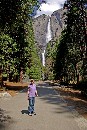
(61, 57)
(76, 32)
(69, 52)
(16, 28)
(8, 58)
(51, 50)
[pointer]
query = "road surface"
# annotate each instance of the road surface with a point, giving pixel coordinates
(52, 112)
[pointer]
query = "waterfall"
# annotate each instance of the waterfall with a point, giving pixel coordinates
(43, 63)
(48, 35)
(48, 38)
(43, 58)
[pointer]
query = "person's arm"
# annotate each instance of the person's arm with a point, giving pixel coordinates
(28, 92)
(36, 93)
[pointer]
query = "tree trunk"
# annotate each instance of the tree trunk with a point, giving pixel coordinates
(21, 76)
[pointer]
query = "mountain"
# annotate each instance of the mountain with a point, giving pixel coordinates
(40, 30)
(57, 23)
(40, 25)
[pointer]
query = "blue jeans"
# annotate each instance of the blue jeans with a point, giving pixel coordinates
(31, 104)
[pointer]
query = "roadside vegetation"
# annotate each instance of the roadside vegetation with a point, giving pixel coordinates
(68, 56)
(18, 52)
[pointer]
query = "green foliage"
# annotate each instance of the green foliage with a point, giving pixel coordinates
(31, 56)
(8, 57)
(17, 38)
(61, 57)
(69, 61)
(77, 33)
(33, 69)
(12, 11)
(34, 72)
(50, 59)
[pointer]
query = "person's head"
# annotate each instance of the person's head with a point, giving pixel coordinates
(31, 81)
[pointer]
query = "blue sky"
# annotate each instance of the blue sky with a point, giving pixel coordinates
(49, 7)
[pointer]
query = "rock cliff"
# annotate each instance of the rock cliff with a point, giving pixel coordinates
(40, 27)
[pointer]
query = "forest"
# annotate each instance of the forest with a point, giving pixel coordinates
(68, 56)
(17, 43)
(66, 60)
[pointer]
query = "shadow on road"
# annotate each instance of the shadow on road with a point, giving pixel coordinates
(47, 94)
(24, 112)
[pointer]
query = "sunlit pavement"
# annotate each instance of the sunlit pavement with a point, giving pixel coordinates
(52, 112)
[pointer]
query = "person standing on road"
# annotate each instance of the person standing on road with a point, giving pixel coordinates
(32, 93)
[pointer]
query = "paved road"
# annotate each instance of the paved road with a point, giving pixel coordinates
(52, 112)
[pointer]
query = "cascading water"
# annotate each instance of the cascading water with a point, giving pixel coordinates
(48, 38)
(43, 63)
(43, 58)
(48, 35)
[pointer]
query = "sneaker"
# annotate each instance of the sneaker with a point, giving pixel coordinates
(30, 114)
(34, 113)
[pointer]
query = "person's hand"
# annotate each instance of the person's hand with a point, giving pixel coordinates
(36, 95)
(28, 98)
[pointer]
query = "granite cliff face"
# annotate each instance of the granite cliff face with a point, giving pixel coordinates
(57, 23)
(40, 27)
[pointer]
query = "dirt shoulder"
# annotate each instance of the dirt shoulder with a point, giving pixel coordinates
(74, 98)
(12, 87)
